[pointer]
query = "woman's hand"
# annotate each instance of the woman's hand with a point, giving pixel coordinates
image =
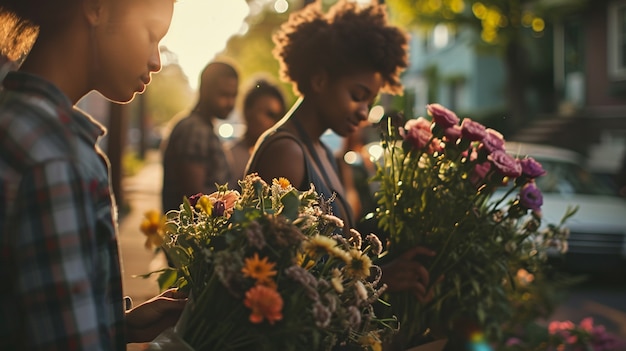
(405, 273)
(146, 321)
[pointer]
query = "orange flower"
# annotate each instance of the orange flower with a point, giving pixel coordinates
(261, 270)
(283, 183)
(152, 227)
(265, 303)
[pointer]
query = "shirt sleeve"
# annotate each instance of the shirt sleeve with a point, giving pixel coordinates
(54, 252)
(191, 141)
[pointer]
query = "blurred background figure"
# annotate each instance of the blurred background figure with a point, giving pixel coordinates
(193, 158)
(263, 105)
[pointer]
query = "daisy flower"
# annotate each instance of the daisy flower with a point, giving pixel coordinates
(259, 269)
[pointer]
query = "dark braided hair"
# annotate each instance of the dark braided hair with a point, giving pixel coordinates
(347, 38)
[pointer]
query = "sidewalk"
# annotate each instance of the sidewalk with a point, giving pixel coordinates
(142, 192)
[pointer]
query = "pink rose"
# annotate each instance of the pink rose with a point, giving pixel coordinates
(417, 132)
(531, 168)
(505, 164)
(442, 116)
(473, 131)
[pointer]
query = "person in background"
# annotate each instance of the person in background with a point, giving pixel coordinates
(59, 260)
(338, 62)
(263, 105)
(194, 160)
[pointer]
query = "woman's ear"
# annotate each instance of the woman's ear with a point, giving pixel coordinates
(319, 81)
(93, 10)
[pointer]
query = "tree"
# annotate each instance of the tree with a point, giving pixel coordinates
(253, 50)
(504, 25)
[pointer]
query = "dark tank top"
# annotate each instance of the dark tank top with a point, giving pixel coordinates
(321, 181)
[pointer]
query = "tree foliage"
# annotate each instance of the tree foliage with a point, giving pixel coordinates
(252, 51)
(498, 21)
(169, 93)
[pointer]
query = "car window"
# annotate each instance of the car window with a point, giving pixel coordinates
(571, 178)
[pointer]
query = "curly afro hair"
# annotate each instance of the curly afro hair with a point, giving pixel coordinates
(20, 21)
(348, 37)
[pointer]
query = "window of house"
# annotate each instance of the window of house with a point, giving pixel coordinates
(617, 40)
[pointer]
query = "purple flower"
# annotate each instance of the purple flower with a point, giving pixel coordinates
(193, 199)
(442, 116)
(531, 168)
(417, 132)
(493, 141)
(472, 130)
(218, 208)
(505, 164)
(530, 197)
(452, 134)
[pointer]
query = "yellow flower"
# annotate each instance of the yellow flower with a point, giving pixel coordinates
(319, 246)
(152, 227)
(359, 266)
(261, 270)
(303, 261)
(372, 340)
(205, 204)
(282, 182)
(337, 281)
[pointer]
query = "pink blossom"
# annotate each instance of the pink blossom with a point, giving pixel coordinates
(513, 341)
(435, 145)
(505, 164)
(587, 324)
(480, 172)
(531, 168)
(472, 130)
(442, 116)
(417, 132)
(530, 197)
(557, 326)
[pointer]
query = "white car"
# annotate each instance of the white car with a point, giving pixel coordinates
(597, 239)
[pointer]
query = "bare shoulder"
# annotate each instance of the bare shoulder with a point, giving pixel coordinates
(279, 156)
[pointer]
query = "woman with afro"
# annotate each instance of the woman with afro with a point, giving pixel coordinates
(338, 62)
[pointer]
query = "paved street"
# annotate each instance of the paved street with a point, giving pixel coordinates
(142, 193)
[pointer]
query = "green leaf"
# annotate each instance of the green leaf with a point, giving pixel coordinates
(167, 279)
(290, 202)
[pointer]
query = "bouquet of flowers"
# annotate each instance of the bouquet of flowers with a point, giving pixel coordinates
(439, 188)
(265, 271)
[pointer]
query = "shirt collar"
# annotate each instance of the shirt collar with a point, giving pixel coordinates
(70, 116)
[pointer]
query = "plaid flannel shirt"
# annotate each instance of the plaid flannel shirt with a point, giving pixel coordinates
(59, 259)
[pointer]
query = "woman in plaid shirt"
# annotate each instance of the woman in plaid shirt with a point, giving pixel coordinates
(59, 259)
